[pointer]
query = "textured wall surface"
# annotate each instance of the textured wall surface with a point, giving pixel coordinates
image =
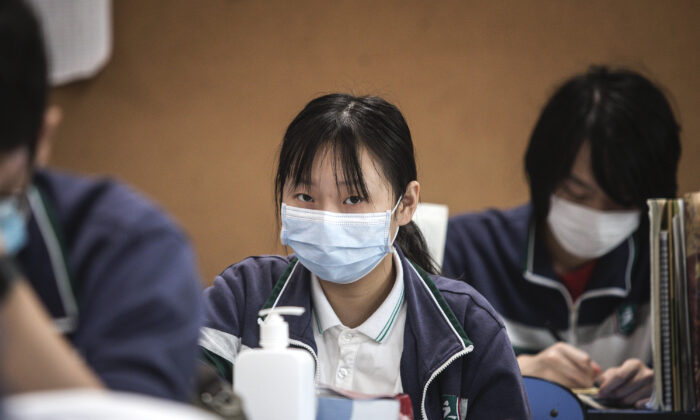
(193, 104)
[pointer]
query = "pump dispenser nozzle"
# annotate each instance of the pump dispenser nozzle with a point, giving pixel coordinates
(276, 371)
(274, 331)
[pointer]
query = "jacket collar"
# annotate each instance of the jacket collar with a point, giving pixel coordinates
(610, 277)
(51, 277)
(430, 317)
(433, 338)
(293, 288)
(433, 333)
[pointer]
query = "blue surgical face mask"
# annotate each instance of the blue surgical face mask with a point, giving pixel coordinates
(338, 247)
(13, 226)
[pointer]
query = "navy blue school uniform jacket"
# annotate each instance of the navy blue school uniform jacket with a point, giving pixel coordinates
(457, 361)
(118, 278)
(500, 255)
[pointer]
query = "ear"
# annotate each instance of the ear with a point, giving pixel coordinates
(409, 203)
(52, 119)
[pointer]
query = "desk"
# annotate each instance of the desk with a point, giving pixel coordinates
(97, 404)
(638, 415)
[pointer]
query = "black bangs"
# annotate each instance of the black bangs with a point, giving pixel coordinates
(324, 127)
(341, 145)
(345, 148)
(634, 142)
(619, 171)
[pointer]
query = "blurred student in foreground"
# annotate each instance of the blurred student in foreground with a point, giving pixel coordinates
(98, 288)
(569, 271)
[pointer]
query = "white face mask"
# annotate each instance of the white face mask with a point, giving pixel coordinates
(338, 247)
(588, 233)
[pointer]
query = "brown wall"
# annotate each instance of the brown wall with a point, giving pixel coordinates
(193, 104)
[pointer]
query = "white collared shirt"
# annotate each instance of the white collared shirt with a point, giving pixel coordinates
(367, 358)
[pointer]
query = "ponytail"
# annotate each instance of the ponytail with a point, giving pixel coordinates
(411, 241)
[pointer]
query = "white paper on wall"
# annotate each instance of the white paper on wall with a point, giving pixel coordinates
(78, 37)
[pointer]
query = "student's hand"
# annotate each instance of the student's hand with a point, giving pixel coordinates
(561, 363)
(630, 383)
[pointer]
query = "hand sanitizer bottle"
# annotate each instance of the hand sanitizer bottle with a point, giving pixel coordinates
(276, 382)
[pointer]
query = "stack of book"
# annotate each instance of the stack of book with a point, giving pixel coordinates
(340, 404)
(675, 302)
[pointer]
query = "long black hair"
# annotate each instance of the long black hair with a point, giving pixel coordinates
(634, 138)
(344, 124)
(23, 77)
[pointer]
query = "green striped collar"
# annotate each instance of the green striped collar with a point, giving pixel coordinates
(442, 305)
(51, 233)
(378, 325)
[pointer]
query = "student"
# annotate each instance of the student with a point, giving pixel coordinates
(569, 272)
(87, 258)
(376, 321)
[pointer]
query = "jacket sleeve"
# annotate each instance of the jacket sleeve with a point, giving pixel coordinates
(231, 308)
(497, 391)
(220, 338)
(455, 260)
(140, 311)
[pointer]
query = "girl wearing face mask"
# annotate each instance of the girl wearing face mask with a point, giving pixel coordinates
(569, 272)
(377, 319)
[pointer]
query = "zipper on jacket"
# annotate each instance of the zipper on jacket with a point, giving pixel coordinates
(438, 371)
(573, 323)
(574, 306)
(317, 371)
